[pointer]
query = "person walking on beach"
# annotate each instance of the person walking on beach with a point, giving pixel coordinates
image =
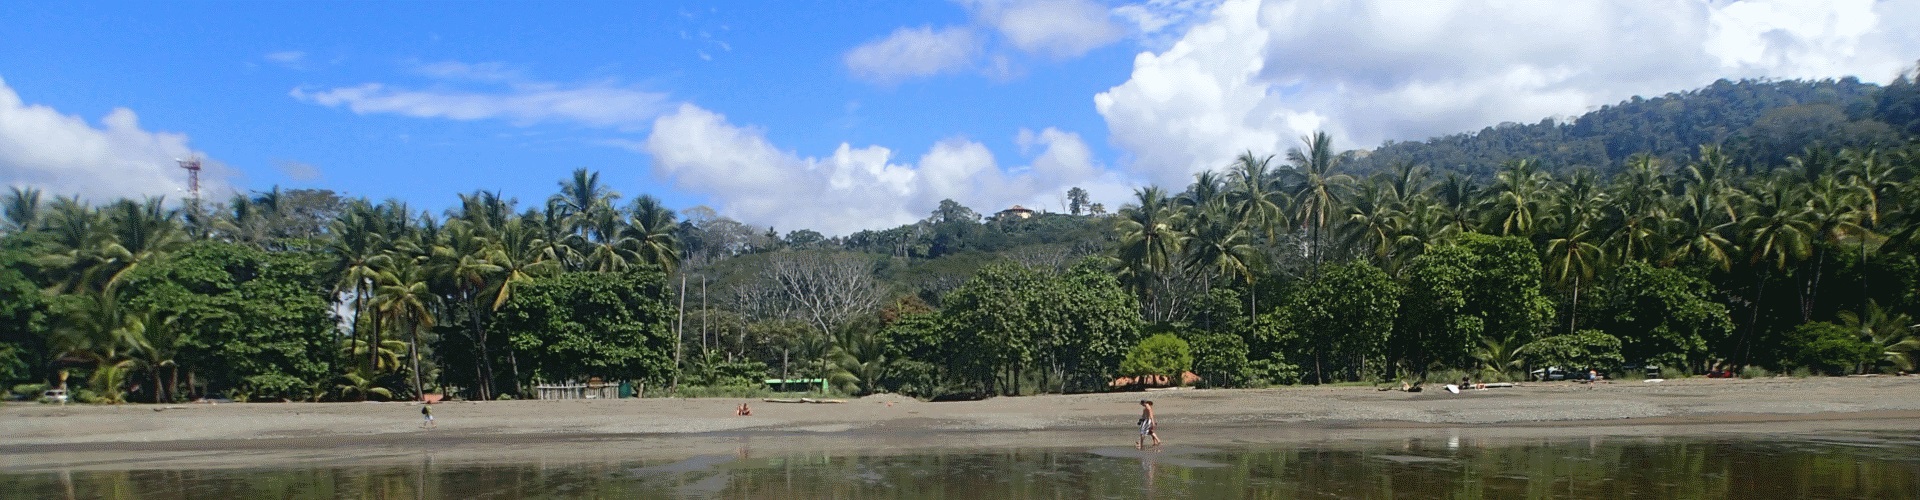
(1147, 425)
(426, 416)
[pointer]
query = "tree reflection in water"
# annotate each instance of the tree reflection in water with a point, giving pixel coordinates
(1850, 465)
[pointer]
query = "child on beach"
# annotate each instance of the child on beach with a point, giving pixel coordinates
(1147, 425)
(426, 415)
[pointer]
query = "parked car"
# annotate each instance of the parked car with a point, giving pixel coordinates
(1549, 373)
(54, 396)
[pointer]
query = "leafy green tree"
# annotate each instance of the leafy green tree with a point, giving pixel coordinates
(1589, 349)
(247, 321)
(23, 317)
(912, 339)
(1077, 201)
(1483, 286)
(1091, 320)
(579, 325)
(1437, 324)
(1220, 358)
(1506, 289)
(990, 320)
(1662, 316)
(1344, 318)
(1164, 354)
(1829, 348)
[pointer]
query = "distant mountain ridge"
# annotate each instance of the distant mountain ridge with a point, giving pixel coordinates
(1758, 121)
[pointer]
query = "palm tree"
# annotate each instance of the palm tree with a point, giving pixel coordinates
(521, 256)
(609, 246)
(99, 330)
(1406, 182)
(1459, 197)
(1317, 189)
(78, 233)
(1207, 189)
(139, 233)
(1149, 241)
(1498, 358)
(583, 198)
(1891, 332)
(1835, 210)
(651, 229)
(405, 300)
(859, 360)
(1255, 204)
(461, 257)
(22, 209)
(1639, 216)
(1571, 259)
(1703, 213)
(1776, 227)
(359, 248)
(1425, 223)
(1520, 193)
(1218, 246)
(1775, 233)
(242, 222)
(1570, 256)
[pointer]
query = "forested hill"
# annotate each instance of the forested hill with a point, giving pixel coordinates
(1759, 122)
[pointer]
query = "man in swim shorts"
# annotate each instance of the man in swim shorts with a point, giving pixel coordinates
(1147, 425)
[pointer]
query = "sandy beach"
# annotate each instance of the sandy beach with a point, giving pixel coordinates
(43, 437)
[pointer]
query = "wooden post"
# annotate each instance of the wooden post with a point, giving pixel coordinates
(703, 316)
(679, 332)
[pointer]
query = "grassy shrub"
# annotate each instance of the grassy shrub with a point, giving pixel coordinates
(28, 392)
(1441, 377)
(1751, 371)
(1163, 354)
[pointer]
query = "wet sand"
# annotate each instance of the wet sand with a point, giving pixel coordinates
(44, 437)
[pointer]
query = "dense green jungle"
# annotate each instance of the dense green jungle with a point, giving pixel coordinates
(1746, 228)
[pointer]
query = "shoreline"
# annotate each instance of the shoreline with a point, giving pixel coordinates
(35, 437)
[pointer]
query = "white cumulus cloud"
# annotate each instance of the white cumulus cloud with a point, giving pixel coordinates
(1256, 75)
(913, 52)
(757, 182)
(290, 59)
(65, 155)
(1000, 32)
(1057, 28)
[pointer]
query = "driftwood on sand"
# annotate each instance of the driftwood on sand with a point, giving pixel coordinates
(803, 400)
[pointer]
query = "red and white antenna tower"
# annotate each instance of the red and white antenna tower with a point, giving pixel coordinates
(192, 165)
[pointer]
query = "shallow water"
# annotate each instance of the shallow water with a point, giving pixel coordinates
(1849, 465)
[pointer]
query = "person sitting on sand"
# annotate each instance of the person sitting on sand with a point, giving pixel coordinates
(743, 411)
(426, 415)
(1147, 425)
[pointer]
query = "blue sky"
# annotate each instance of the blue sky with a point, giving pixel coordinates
(835, 116)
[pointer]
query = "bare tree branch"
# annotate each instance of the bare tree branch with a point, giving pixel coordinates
(828, 289)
